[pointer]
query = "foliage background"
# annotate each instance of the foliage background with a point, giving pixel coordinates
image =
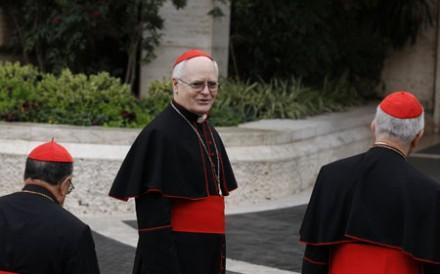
(308, 40)
(318, 39)
(86, 36)
(288, 58)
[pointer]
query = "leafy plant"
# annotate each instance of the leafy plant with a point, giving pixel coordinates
(28, 95)
(17, 96)
(240, 102)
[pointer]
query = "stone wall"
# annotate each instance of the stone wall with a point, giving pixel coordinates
(191, 27)
(416, 68)
(272, 159)
(413, 68)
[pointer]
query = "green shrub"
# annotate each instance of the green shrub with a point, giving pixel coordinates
(240, 102)
(27, 95)
(18, 97)
(159, 96)
(30, 96)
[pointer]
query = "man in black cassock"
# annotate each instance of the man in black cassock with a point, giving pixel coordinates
(38, 236)
(374, 213)
(178, 172)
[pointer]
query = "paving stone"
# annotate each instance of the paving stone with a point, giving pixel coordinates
(113, 257)
(267, 238)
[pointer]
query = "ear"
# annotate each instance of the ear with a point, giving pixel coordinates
(373, 129)
(417, 139)
(175, 86)
(64, 186)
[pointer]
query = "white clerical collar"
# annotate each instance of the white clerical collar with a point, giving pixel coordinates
(202, 118)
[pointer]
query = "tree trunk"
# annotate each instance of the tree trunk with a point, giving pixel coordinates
(19, 31)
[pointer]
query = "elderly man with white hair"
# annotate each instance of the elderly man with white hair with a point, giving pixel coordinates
(178, 172)
(374, 213)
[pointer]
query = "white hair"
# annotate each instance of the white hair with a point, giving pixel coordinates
(404, 130)
(179, 69)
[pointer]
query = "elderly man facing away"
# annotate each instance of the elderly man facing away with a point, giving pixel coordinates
(374, 213)
(37, 235)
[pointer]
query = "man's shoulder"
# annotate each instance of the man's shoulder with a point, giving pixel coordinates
(68, 219)
(61, 217)
(48, 213)
(6, 197)
(339, 174)
(161, 123)
(67, 223)
(345, 163)
(6, 200)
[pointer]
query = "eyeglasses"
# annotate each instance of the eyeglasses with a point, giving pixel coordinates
(198, 86)
(71, 186)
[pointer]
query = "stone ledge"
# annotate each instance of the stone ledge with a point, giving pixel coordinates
(272, 159)
(296, 130)
(259, 133)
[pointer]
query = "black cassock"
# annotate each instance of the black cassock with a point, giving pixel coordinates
(38, 236)
(168, 163)
(376, 197)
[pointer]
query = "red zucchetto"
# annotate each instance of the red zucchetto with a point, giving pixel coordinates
(401, 105)
(51, 152)
(191, 54)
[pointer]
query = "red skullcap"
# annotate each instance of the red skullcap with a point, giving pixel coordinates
(402, 105)
(191, 54)
(51, 152)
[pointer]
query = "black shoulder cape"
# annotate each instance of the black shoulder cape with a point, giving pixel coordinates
(38, 236)
(168, 158)
(376, 197)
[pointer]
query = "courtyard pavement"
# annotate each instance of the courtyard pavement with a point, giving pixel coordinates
(264, 241)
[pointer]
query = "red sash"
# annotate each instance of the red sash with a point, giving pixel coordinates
(6, 272)
(205, 216)
(371, 259)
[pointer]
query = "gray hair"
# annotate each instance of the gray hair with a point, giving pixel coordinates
(404, 130)
(179, 69)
